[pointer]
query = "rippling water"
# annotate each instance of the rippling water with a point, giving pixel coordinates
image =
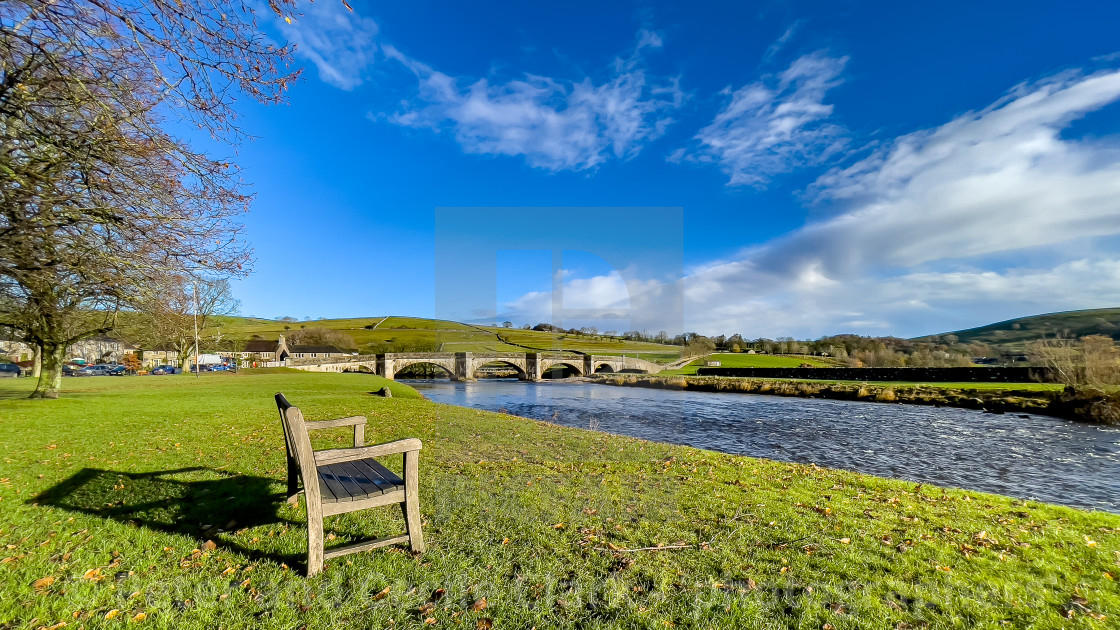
(1032, 457)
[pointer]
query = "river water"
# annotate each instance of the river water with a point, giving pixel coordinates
(1032, 457)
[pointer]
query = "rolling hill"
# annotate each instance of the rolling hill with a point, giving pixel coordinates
(402, 334)
(1013, 335)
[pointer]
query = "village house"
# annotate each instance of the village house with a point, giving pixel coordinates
(92, 350)
(263, 350)
(100, 350)
(279, 350)
(16, 351)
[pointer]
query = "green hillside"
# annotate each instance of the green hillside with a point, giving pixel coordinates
(402, 334)
(1014, 334)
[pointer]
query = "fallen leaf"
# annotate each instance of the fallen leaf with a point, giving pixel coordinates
(845, 541)
(438, 594)
(382, 595)
(558, 526)
(112, 613)
(139, 617)
(431, 621)
(93, 574)
(479, 605)
(426, 608)
(43, 583)
(484, 624)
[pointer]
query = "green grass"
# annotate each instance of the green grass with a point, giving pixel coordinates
(107, 491)
(1030, 387)
(743, 360)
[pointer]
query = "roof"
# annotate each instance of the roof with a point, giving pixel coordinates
(315, 350)
(261, 345)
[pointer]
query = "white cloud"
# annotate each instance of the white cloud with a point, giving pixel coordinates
(919, 216)
(554, 124)
(341, 43)
(774, 125)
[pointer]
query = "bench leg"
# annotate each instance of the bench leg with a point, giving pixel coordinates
(411, 505)
(293, 482)
(314, 539)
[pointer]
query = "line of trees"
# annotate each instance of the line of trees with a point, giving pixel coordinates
(102, 208)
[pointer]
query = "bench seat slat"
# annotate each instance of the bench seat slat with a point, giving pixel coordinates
(356, 480)
(367, 477)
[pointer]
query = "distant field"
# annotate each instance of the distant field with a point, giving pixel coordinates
(412, 333)
(1032, 387)
(740, 360)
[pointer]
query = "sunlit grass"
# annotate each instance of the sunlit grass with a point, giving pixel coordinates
(109, 495)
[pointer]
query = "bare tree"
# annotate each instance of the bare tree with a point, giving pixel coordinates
(100, 207)
(1060, 354)
(171, 316)
(321, 336)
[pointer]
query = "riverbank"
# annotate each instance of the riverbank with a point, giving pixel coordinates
(1087, 406)
(159, 499)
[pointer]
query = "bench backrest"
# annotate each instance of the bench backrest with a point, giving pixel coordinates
(297, 443)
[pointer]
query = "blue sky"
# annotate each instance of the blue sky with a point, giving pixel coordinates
(771, 169)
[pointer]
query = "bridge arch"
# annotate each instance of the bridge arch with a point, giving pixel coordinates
(445, 366)
(574, 366)
(509, 363)
(604, 368)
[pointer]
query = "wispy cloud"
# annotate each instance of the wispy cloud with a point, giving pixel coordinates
(555, 124)
(341, 43)
(773, 125)
(773, 50)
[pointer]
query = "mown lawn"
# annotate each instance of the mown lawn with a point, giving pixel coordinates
(157, 500)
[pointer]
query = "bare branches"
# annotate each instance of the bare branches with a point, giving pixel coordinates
(101, 207)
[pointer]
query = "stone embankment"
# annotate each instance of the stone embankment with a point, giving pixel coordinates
(1083, 405)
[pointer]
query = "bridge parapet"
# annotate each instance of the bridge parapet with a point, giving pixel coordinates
(463, 365)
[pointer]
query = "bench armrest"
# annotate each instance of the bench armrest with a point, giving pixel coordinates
(335, 455)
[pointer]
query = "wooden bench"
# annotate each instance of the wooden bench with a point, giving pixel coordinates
(340, 480)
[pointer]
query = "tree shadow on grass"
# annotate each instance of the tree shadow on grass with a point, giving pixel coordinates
(197, 501)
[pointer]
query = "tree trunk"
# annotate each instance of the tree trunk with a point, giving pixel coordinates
(37, 361)
(50, 378)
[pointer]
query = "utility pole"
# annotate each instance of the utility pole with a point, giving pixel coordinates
(197, 368)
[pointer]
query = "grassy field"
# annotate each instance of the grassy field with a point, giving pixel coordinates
(743, 360)
(157, 500)
(447, 336)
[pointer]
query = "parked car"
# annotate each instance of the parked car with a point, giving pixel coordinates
(166, 369)
(9, 369)
(95, 370)
(69, 369)
(117, 370)
(204, 367)
(219, 368)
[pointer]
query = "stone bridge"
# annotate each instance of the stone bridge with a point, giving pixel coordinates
(464, 366)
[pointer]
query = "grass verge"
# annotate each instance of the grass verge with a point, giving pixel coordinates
(158, 500)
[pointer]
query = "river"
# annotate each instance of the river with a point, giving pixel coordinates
(1023, 456)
